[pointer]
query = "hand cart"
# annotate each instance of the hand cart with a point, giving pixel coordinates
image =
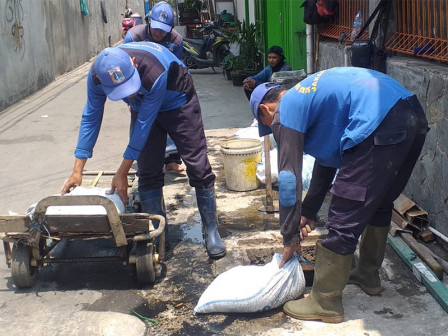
(34, 237)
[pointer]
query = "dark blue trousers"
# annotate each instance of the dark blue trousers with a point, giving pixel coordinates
(185, 127)
(373, 174)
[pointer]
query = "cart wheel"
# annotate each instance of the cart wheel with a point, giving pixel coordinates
(23, 274)
(144, 264)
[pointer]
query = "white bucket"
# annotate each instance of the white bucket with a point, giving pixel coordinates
(240, 158)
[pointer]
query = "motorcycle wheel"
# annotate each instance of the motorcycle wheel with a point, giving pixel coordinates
(188, 61)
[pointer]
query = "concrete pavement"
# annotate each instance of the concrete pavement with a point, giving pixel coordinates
(37, 139)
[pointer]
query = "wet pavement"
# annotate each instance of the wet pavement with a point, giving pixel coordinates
(37, 139)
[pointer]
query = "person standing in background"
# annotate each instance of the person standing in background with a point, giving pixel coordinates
(159, 29)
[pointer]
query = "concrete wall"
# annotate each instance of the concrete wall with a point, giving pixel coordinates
(42, 39)
(428, 185)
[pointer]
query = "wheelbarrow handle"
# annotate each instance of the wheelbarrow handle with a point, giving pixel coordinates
(152, 234)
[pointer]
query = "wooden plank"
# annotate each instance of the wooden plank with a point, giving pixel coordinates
(106, 172)
(96, 224)
(268, 177)
(14, 223)
(420, 271)
(423, 254)
(427, 236)
(97, 178)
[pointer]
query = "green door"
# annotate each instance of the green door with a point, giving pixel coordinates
(281, 23)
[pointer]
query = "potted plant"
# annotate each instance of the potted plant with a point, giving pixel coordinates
(228, 64)
(246, 38)
(238, 73)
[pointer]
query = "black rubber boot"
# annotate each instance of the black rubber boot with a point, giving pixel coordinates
(152, 203)
(207, 208)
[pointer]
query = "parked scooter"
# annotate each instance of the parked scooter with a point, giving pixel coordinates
(208, 51)
(130, 19)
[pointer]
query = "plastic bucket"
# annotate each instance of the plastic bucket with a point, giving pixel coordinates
(240, 158)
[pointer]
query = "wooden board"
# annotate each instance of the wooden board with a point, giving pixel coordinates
(420, 271)
(14, 223)
(59, 225)
(423, 254)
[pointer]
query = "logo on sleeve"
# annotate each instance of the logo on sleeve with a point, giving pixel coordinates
(116, 75)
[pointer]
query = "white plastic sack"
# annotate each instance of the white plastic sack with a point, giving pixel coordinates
(249, 289)
(261, 173)
(307, 169)
(252, 133)
(84, 209)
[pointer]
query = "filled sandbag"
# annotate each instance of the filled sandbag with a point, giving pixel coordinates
(249, 289)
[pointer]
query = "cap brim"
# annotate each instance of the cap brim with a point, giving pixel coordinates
(159, 25)
(118, 92)
(263, 129)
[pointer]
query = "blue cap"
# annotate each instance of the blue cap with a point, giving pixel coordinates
(162, 16)
(255, 99)
(117, 73)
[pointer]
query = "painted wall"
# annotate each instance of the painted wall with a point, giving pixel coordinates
(42, 39)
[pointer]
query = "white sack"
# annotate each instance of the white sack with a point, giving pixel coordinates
(307, 169)
(84, 209)
(249, 289)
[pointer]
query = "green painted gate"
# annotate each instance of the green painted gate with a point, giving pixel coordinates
(281, 23)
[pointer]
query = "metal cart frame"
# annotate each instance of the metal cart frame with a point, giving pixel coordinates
(34, 237)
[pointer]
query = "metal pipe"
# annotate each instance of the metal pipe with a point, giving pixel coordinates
(347, 50)
(309, 50)
(439, 234)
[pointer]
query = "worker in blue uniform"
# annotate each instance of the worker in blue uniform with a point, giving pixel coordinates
(159, 29)
(369, 127)
(158, 86)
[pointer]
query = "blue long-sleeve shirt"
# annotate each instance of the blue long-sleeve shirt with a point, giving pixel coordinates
(173, 41)
(324, 115)
(165, 85)
(265, 75)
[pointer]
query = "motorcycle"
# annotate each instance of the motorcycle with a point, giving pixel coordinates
(129, 20)
(208, 51)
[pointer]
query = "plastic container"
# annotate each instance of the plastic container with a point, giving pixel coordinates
(137, 18)
(357, 25)
(288, 78)
(240, 158)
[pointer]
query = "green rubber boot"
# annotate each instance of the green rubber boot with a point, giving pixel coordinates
(325, 300)
(371, 256)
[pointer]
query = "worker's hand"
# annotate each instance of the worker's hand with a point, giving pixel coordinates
(74, 181)
(306, 226)
(249, 83)
(288, 253)
(120, 184)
